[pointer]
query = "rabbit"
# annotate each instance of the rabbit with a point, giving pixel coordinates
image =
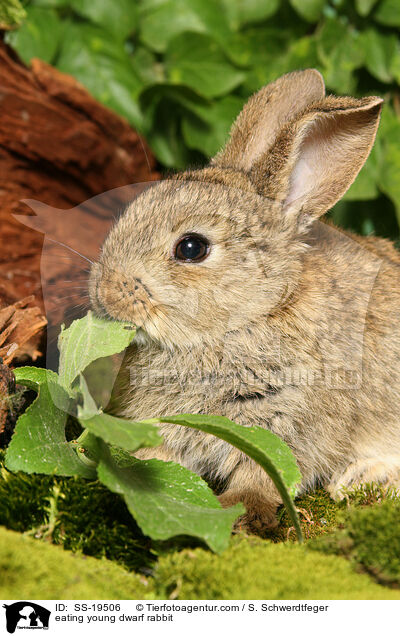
(248, 306)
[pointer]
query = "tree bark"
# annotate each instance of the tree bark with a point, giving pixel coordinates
(60, 146)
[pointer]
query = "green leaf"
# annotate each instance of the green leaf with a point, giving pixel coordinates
(51, 3)
(256, 46)
(341, 52)
(39, 36)
(12, 14)
(365, 186)
(117, 16)
(197, 61)
(86, 340)
(162, 20)
(388, 13)
(166, 138)
(158, 95)
(241, 12)
(147, 67)
(364, 6)
(97, 383)
(302, 54)
(380, 50)
(102, 64)
(168, 500)
(38, 444)
(207, 128)
(284, 57)
(264, 447)
(310, 10)
(166, 107)
(389, 181)
(123, 433)
(88, 408)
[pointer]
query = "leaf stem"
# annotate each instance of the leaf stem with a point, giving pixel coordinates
(86, 444)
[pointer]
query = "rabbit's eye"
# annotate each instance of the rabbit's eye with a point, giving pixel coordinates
(192, 248)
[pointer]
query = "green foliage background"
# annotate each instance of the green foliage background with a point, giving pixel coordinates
(180, 71)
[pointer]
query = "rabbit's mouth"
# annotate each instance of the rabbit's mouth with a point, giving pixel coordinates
(132, 313)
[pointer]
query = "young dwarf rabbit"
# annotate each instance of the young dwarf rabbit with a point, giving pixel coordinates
(249, 307)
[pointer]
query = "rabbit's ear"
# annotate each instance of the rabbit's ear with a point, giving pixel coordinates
(315, 159)
(257, 126)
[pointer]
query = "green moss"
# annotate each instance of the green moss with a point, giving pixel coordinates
(87, 518)
(80, 515)
(256, 569)
(250, 568)
(370, 539)
(36, 570)
(318, 516)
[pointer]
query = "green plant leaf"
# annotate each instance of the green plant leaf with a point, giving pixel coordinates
(147, 67)
(241, 12)
(86, 340)
(117, 16)
(162, 20)
(256, 46)
(265, 52)
(395, 65)
(207, 127)
(12, 14)
(154, 96)
(364, 6)
(168, 500)
(38, 444)
(380, 50)
(341, 52)
(364, 187)
(166, 139)
(197, 61)
(88, 407)
(388, 13)
(389, 181)
(302, 54)
(166, 107)
(310, 10)
(40, 35)
(102, 64)
(267, 449)
(122, 433)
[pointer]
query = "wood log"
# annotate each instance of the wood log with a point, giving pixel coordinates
(60, 146)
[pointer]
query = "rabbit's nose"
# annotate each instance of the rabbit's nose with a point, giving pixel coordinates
(128, 288)
(117, 296)
(121, 289)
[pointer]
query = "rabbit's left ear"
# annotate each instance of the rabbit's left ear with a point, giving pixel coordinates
(316, 158)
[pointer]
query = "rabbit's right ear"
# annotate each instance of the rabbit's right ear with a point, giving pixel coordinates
(259, 123)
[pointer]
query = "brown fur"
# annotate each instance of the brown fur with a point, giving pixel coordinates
(289, 324)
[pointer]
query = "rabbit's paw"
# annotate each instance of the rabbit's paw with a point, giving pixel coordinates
(260, 512)
(380, 470)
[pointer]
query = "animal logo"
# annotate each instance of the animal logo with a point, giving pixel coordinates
(26, 615)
